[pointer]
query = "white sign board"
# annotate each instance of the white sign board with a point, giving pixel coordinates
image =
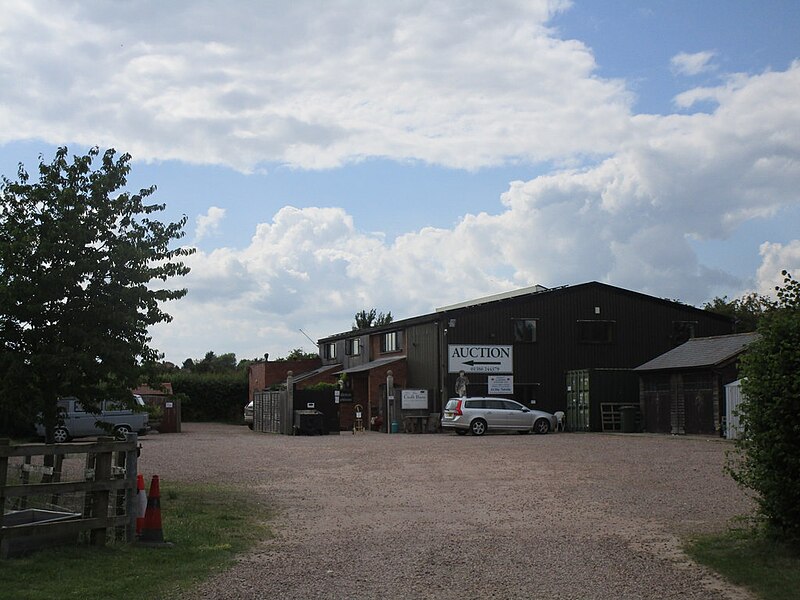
(480, 359)
(501, 384)
(414, 400)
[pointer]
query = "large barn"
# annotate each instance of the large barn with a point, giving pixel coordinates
(527, 345)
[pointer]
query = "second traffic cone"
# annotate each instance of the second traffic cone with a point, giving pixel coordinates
(152, 534)
(141, 504)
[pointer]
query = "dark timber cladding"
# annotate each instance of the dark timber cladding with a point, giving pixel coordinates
(523, 344)
(552, 331)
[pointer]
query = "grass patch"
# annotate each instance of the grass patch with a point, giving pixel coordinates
(209, 526)
(748, 558)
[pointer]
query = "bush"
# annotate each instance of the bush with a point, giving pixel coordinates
(211, 396)
(769, 450)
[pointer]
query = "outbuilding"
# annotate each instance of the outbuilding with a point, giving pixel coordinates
(683, 391)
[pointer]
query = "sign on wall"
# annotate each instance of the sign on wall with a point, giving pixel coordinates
(474, 358)
(414, 400)
(501, 384)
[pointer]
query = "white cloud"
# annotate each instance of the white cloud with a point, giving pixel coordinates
(694, 63)
(208, 223)
(775, 259)
(312, 85)
(628, 220)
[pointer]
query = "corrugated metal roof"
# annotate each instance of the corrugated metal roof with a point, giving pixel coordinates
(701, 352)
(371, 365)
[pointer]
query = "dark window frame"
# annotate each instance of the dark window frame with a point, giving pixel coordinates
(521, 328)
(396, 345)
(352, 347)
(596, 331)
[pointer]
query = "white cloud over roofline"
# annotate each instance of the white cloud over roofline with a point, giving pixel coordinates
(629, 220)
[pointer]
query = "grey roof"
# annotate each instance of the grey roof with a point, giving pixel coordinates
(701, 352)
(371, 365)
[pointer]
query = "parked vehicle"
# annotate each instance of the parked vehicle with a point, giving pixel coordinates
(248, 414)
(479, 415)
(76, 421)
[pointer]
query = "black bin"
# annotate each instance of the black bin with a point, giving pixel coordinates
(309, 422)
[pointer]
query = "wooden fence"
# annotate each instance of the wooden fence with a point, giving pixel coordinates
(106, 481)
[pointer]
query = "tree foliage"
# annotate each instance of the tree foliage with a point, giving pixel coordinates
(365, 319)
(745, 311)
(768, 452)
(78, 255)
(211, 396)
(298, 354)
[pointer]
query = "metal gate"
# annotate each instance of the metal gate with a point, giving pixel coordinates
(269, 408)
(578, 400)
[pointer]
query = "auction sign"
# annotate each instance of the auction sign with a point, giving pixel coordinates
(480, 359)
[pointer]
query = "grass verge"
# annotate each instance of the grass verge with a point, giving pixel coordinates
(209, 526)
(747, 558)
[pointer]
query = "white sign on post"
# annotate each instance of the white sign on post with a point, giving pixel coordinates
(414, 399)
(501, 384)
(472, 358)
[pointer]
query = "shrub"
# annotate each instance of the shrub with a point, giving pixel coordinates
(211, 396)
(768, 452)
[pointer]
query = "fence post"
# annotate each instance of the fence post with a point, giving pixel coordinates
(3, 481)
(131, 471)
(102, 472)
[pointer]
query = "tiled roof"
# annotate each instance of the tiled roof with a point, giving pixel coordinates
(701, 352)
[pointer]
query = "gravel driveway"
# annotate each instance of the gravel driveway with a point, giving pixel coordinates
(441, 516)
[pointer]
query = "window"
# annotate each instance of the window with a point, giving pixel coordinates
(596, 332)
(390, 342)
(330, 350)
(352, 347)
(524, 330)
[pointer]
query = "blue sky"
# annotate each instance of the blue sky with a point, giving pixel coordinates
(334, 156)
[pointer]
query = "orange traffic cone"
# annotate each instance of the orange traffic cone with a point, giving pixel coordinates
(141, 506)
(152, 534)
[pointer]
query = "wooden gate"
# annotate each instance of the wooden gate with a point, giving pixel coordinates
(101, 491)
(269, 411)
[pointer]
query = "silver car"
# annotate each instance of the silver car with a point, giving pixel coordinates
(479, 415)
(248, 414)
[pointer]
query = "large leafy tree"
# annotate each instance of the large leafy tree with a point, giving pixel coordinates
(78, 258)
(769, 450)
(745, 311)
(365, 319)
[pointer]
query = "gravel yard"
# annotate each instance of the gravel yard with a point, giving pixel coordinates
(442, 516)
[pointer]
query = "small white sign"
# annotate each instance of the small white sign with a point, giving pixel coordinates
(501, 384)
(414, 400)
(168, 405)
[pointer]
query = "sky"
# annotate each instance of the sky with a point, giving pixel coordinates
(332, 156)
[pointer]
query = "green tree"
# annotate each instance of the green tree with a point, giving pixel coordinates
(768, 452)
(745, 311)
(299, 354)
(365, 319)
(78, 255)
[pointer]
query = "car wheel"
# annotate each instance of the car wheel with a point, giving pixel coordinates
(461, 431)
(541, 426)
(60, 435)
(120, 431)
(478, 427)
